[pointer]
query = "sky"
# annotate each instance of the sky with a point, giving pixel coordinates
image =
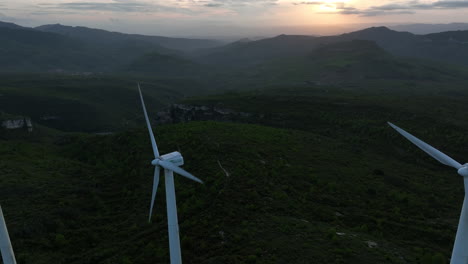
(231, 17)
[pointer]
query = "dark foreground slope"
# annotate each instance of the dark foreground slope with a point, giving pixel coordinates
(270, 196)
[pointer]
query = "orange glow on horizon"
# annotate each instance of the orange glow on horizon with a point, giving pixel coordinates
(320, 15)
(332, 5)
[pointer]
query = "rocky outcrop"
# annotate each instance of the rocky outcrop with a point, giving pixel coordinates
(17, 123)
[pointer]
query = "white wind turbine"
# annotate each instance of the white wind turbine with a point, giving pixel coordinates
(460, 248)
(5, 245)
(170, 162)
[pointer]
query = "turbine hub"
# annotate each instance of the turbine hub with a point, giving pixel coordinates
(463, 171)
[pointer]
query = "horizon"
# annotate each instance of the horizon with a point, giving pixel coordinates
(338, 30)
(232, 19)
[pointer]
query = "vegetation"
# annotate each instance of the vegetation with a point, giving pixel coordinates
(95, 103)
(290, 196)
(333, 180)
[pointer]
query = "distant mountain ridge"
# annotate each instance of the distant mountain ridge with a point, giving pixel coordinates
(65, 48)
(418, 46)
(60, 48)
(252, 52)
(449, 47)
(9, 25)
(24, 49)
(104, 37)
(423, 29)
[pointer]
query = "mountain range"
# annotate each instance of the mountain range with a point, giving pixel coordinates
(430, 28)
(58, 48)
(447, 47)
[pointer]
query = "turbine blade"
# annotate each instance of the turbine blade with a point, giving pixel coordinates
(6, 249)
(170, 166)
(148, 124)
(436, 154)
(459, 252)
(157, 170)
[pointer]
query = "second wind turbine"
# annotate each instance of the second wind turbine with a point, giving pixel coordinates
(170, 163)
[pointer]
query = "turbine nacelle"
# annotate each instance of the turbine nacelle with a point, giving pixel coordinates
(463, 171)
(173, 157)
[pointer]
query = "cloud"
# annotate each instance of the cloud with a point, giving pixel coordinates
(187, 7)
(213, 5)
(52, 12)
(240, 3)
(408, 7)
(443, 5)
(127, 6)
(310, 3)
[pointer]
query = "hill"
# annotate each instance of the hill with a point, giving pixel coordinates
(398, 43)
(450, 36)
(247, 53)
(9, 25)
(103, 37)
(78, 49)
(164, 65)
(24, 49)
(272, 195)
(57, 48)
(89, 103)
(353, 64)
(422, 29)
(406, 44)
(402, 44)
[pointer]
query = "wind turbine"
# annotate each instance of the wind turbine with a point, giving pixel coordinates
(460, 248)
(8, 255)
(170, 162)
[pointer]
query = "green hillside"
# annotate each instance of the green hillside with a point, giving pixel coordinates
(323, 178)
(290, 196)
(357, 64)
(94, 103)
(23, 49)
(164, 65)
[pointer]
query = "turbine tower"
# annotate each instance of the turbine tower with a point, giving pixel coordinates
(5, 245)
(170, 163)
(460, 248)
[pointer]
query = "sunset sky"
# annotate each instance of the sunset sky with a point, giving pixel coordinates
(229, 17)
